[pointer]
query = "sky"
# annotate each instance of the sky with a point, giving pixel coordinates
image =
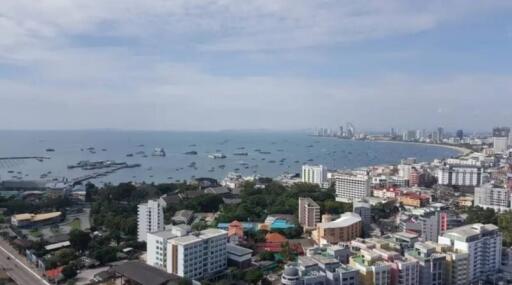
(268, 64)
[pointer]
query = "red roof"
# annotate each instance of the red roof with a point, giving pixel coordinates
(54, 273)
(275, 238)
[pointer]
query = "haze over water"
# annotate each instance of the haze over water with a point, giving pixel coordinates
(293, 148)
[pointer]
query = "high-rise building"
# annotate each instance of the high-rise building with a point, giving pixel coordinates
(309, 213)
(364, 210)
(372, 270)
(483, 244)
(457, 172)
(494, 197)
(500, 138)
(431, 263)
(405, 272)
(460, 134)
(316, 174)
(351, 186)
(198, 255)
(150, 219)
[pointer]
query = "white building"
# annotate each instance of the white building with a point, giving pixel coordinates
(351, 187)
(150, 219)
(309, 213)
(460, 173)
(156, 248)
(198, 255)
(316, 174)
(483, 243)
(156, 245)
(500, 139)
(489, 196)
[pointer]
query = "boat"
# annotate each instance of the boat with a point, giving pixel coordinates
(217, 155)
(193, 152)
(129, 155)
(192, 164)
(241, 153)
(140, 145)
(265, 152)
(222, 166)
(50, 150)
(158, 151)
(140, 152)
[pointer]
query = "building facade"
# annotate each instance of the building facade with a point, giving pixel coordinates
(316, 174)
(309, 213)
(483, 244)
(150, 218)
(346, 228)
(490, 196)
(350, 187)
(198, 255)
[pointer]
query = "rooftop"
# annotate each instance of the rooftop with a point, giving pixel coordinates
(145, 274)
(345, 220)
(466, 232)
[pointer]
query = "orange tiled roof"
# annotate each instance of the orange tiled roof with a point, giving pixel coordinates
(275, 238)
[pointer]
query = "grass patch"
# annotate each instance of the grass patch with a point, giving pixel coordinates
(35, 233)
(75, 224)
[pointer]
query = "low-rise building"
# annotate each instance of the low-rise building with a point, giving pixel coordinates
(347, 227)
(29, 220)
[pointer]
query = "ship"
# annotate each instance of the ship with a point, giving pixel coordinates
(158, 151)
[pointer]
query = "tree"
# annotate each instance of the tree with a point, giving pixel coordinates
(69, 271)
(79, 239)
(267, 256)
(505, 225)
(253, 276)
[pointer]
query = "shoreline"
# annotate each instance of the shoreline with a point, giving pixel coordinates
(463, 151)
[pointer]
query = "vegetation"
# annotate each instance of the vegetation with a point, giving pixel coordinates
(278, 199)
(489, 216)
(115, 207)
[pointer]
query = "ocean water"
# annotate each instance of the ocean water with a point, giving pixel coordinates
(292, 148)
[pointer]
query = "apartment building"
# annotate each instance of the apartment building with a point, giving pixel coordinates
(198, 255)
(309, 213)
(352, 186)
(150, 219)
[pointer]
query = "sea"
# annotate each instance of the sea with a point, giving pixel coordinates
(269, 153)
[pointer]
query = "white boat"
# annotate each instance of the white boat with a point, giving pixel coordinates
(158, 151)
(217, 155)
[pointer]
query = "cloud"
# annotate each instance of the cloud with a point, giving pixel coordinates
(158, 65)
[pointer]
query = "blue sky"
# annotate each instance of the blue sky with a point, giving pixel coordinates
(228, 64)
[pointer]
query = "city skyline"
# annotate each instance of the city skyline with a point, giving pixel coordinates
(216, 65)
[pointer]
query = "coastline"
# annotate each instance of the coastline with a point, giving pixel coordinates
(463, 151)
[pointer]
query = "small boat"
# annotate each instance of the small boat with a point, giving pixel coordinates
(222, 166)
(192, 145)
(192, 164)
(50, 150)
(103, 149)
(193, 152)
(141, 152)
(158, 151)
(265, 152)
(129, 155)
(241, 153)
(217, 155)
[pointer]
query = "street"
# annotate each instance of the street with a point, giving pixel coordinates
(16, 267)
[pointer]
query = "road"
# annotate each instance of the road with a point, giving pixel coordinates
(17, 267)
